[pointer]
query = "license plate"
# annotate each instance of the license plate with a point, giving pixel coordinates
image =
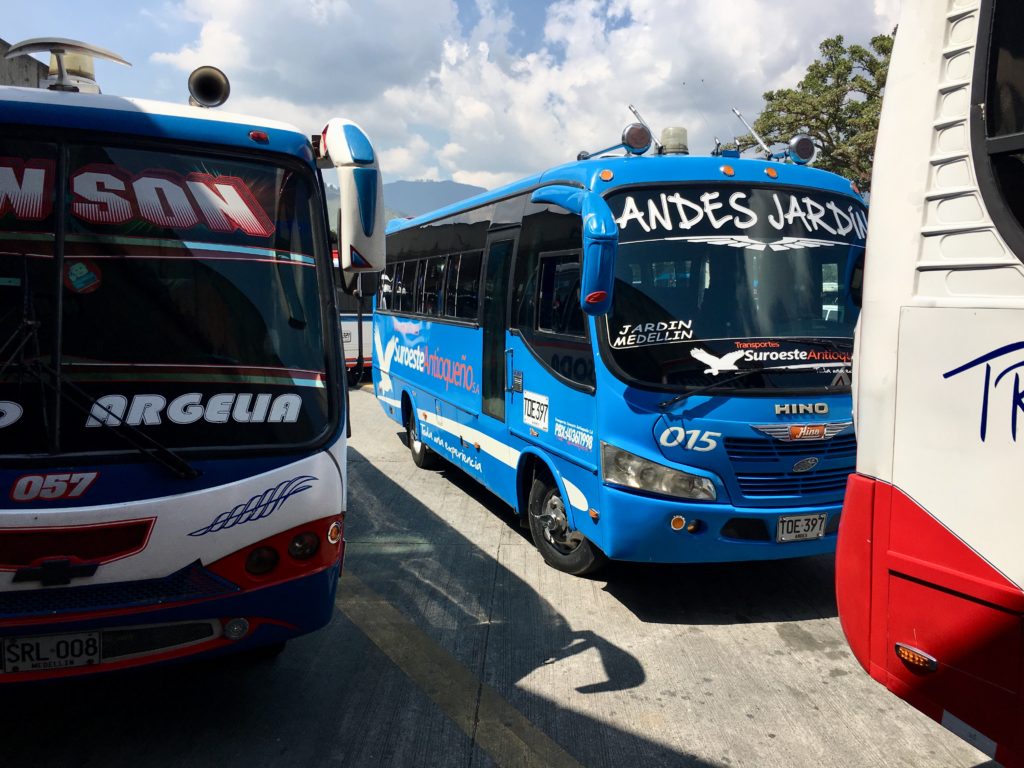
(800, 527)
(30, 654)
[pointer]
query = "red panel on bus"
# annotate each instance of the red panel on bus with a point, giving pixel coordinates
(853, 565)
(932, 592)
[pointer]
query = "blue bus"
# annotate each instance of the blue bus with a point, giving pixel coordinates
(645, 355)
(172, 409)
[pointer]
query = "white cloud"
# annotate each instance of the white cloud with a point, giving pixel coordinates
(443, 103)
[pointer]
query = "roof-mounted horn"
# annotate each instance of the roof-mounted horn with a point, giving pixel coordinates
(71, 62)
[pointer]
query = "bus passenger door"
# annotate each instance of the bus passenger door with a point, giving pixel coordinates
(499, 460)
(551, 408)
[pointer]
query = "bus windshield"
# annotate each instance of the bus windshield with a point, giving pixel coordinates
(724, 279)
(177, 292)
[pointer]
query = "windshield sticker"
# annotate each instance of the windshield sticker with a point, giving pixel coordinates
(748, 216)
(189, 408)
(716, 365)
(647, 334)
(259, 506)
(82, 276)
(535, 410)
(765, 353)
(574, 435)
(26, 188)
(104, 194)
(777, 354)
(9, 413)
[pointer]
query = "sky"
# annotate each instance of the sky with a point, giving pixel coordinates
(478, 91)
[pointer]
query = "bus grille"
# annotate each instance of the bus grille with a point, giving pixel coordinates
(763, 466)
(138, 640)
(792, 484)
(741, 449)
(190, 583)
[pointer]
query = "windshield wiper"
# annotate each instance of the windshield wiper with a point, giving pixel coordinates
(142, 442)
(665, 405)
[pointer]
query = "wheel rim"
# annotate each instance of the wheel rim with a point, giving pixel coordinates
(414, 437)
(555, 525)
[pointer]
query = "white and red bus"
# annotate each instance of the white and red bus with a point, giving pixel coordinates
(172, 419)
(930, 566)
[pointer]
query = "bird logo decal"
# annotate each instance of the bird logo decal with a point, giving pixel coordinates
(384, 358)
(717, 364)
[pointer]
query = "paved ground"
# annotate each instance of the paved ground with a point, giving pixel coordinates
(455, 645)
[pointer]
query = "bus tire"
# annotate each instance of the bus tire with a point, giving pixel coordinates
(422, 456)
(561, 548)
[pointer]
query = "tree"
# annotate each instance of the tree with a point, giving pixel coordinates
(837, 103)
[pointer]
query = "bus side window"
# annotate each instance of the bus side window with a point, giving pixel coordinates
(558, 310)
(416, 285)
(468, 298)
(546, 281)
(452, 284)
(405, 276)
(433, 285)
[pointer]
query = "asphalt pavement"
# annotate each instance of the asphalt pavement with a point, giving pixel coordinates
(454, 644)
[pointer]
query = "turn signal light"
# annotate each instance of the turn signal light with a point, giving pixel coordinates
(677, 523)
(728, 170)
(916, 658)
(334, 532)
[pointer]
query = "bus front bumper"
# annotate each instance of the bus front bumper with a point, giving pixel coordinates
(640, 528)
(34, 649)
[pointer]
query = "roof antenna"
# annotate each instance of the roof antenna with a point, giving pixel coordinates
(755, 134)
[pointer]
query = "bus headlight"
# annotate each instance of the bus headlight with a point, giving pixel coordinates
(623, 468)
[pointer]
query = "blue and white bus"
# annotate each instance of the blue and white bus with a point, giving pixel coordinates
(172, 410)
(645, 356)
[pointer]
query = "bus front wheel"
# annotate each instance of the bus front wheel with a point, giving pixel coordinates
(422, 457)
(561, 548)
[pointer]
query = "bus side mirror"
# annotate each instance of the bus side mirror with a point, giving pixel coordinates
(855, 280)
(361, 209)
(600, 243)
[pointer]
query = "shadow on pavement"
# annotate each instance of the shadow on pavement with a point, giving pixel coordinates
(699, 593)
(333, 698)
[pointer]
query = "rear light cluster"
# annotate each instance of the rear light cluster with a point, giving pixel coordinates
(290, 554)
(262, 560)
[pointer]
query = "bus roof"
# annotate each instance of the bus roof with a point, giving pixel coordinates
(650, 169)
(143, 117)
